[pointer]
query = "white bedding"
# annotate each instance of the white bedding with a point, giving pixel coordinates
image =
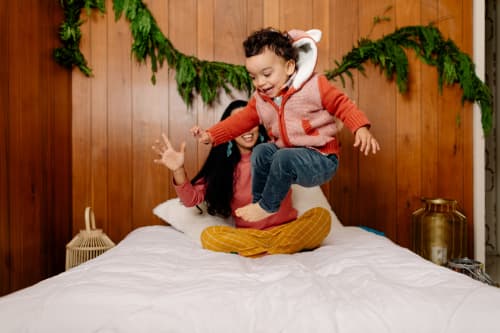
(159, 280)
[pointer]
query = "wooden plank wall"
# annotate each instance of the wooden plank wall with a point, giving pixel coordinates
(426, 137)
(35, 145)
(4, 215)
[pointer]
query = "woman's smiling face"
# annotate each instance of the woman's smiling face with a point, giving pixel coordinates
(248, 140)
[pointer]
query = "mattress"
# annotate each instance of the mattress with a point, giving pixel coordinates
(159, 280)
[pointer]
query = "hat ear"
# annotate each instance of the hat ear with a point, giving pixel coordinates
(305, 43)
(315, 34)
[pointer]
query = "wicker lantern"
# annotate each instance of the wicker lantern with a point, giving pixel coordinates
(88, 243)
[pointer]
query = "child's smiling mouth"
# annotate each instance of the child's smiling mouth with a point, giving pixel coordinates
(267, 91)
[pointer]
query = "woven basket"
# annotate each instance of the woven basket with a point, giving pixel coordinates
(88, 244)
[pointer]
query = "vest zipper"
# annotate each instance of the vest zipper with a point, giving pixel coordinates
(281, 123)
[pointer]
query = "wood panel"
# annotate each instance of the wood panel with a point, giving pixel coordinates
(408, 131)
(25, 123)
(124, 114)
(84, 125)
(35, 164)
(377, 184)
(182, 33)
(450, 138)
(119, 122)
(97, 130)
(320, 16)
(296, 15)
(272, 14)
(5, 254)
(206, 114)
(55, 100)
(453, 136)
(255, 15)
(430, 113)
(343, 35)
(228, 34)
(149, 118)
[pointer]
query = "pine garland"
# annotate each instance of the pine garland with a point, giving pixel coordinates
(388, 53)
(195, 76)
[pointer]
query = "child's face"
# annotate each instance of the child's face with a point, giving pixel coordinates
(269, 72)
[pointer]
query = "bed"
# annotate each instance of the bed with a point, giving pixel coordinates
(159, 279)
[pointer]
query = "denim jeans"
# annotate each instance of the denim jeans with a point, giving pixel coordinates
(275, 169)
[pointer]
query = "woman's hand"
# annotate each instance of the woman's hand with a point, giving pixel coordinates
(169, 157)
(365, 140)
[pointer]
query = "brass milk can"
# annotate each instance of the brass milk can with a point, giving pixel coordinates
(439, 231)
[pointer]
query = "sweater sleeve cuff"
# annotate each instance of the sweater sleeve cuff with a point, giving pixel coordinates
(357, 121)
(216, 134)
(179, 186)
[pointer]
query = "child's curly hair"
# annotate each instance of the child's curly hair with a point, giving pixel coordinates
(278, 42)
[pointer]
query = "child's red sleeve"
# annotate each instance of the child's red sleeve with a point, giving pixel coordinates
(235, 125)
(341, 106)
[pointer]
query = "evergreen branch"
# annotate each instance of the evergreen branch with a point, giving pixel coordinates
(379, 19)
(192, 75)
(388, 53)
(69, 54)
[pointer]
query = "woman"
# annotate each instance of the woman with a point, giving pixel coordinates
(224, 183)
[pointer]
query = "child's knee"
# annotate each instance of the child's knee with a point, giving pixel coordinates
(262, 153)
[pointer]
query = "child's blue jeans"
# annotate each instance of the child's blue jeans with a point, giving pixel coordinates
(275, 169)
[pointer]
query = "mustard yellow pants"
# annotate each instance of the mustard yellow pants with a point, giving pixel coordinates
(305, 233)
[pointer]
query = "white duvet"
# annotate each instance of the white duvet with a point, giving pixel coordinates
(159, 280)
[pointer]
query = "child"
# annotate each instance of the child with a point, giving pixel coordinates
(300, 110)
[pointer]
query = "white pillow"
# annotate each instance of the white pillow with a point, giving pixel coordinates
(189, 220)
(305, 198)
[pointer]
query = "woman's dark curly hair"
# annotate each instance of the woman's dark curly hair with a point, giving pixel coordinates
(218, 169)
(278, 42)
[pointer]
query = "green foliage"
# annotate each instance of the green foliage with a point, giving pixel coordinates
(69, 54)
(389, 54)
(193, 76)
(207, 78)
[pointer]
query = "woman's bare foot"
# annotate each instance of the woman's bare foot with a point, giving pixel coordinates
(252, 212)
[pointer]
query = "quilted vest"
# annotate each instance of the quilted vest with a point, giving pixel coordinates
(300, 120)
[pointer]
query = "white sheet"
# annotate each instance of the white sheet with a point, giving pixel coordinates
(159, 280)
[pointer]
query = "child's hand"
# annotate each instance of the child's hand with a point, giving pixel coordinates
(201, 134)
(169, 157)
(365, 140)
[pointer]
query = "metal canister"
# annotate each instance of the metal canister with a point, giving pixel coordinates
(439, 230)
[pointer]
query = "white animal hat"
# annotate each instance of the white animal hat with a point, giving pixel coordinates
(305, 42)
